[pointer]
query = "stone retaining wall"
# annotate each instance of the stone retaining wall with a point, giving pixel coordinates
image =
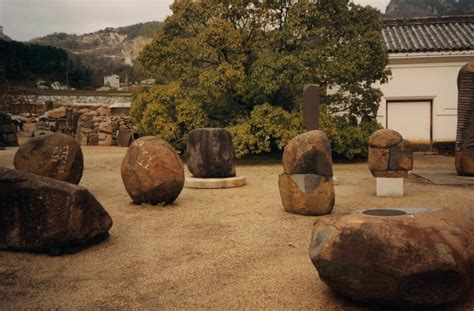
(18, 104)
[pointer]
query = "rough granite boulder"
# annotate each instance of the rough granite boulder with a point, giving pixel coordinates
(211, 153)
(308, 153)
(395, 256)
(307, 194)
(41, 213)
(57, 156)
(152, 171)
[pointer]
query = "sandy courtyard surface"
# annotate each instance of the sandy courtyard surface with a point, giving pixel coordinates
(212, 249)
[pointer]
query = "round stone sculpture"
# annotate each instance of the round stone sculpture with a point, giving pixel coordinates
(399, 256)
(211, 153)
(152, 171)
(306, 186)
(56, 156)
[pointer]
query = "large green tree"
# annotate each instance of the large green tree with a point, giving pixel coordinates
(224, 59)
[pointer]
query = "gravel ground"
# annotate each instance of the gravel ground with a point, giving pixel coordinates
(212, 249)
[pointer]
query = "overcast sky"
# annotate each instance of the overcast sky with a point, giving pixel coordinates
(25, 19)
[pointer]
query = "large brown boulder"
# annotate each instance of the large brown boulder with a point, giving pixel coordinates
(384, 138)
(395, 256)
(152, 171)
(41, 213)
(307, 194)
(211, 153)
(57, 156)
(308, 153)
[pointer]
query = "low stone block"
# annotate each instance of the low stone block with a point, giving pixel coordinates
(390, 174)
(389, 187)
(39, 213)
(57, 113)
(307, 194)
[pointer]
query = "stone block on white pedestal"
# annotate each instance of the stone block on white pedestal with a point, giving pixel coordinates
(389, 187)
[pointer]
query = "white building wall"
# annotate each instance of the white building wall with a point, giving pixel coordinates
(425, 77)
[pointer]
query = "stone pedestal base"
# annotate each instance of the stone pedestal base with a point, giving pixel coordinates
(214, 183)
(389, 187)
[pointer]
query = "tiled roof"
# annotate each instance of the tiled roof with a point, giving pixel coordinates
(431, 34)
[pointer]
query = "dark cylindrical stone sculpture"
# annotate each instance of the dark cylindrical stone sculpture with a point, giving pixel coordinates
(465, 129)
(211, 153)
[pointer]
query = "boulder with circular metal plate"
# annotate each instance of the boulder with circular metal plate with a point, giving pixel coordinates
(308, 153)
(57, 156)
(211, 153)
(307, 194)
(152, 171)
(395, 256)
(41, 213)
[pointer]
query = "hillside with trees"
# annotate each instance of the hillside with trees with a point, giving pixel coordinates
(108, 51)
(28, 62)
(242, 65)
(420, 8)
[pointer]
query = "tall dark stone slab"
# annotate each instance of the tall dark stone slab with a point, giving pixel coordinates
(465, 128)
(311, 104)
(211, 153)
(40, 213)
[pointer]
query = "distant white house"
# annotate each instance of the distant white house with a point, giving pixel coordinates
(112, 81)
(425, 55)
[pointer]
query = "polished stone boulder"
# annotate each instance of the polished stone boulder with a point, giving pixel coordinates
(41, 213)
(307, 194)
(390, 155)
(211, 153)
(152, 171)
(57, 156)
(306, 186)
(395, 256)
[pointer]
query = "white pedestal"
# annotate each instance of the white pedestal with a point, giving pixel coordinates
(389, 187)
(214, 183)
